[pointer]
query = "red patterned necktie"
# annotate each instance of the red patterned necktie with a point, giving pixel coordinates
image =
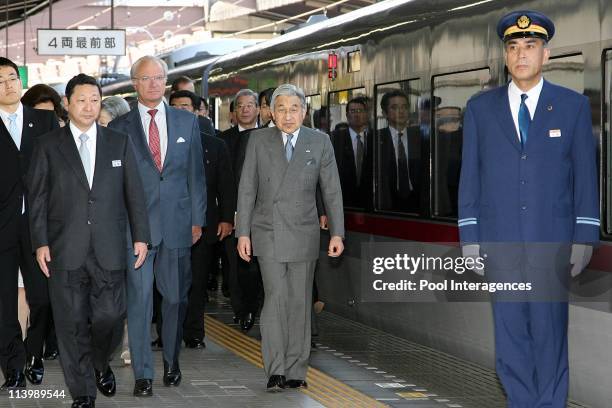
(154, 145)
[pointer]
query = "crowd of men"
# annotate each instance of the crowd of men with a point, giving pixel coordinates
(127, 208)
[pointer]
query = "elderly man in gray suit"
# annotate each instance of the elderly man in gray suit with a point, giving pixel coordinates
(168, 150)
(277, 222)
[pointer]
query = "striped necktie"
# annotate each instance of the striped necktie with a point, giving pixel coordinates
(289, 147)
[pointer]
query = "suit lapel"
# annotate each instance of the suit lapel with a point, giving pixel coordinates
(70, 152)
(6, 137)
(140, 138)
(29, 126)
(102, 159)
(171, 128)
(505, 118)
(541, 115)
(277, 152)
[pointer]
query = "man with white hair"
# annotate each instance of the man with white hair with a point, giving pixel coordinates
(277, 222)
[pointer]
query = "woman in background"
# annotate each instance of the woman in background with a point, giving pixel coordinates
(44, 97)
(112, 108)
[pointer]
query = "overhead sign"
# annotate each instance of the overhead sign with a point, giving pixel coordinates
(81, 42)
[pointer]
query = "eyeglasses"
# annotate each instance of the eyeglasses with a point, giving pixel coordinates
(248, 106)
(157, 78)
(284, 112)
(357, 110)
(10, 81)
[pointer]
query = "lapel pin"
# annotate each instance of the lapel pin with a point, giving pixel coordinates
(30, 124)
(549, 107)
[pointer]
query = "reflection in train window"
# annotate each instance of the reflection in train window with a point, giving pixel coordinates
(352, 140)
(314, 113)
(401, 164)
(607, 111)
(567, 71)
(451, 93)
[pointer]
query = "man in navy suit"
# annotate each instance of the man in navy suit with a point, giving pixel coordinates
(168, 149)
(528, 200)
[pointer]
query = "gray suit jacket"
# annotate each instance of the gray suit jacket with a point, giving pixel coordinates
(277, 200)
(176, 198)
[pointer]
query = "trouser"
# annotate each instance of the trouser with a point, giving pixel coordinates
(171, 269)
(285, 317)
(244, 281)
(89, 308)
(202, 257)
(12, 349)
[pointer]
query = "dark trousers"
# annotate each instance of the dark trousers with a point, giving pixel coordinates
(12, 348)
(202, 261)
(245, 281)
(89, 308)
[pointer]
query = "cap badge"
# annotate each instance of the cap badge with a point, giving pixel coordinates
(523, 22)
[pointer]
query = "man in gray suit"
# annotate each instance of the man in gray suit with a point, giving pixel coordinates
(277, 222)
(168, 151)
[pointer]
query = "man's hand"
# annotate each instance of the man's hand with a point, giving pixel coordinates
(336, 247)
(580, 258)
(244, 248)
(323, 222)
(43, 255)
(473, 252)
(140, 251)
(223, 230)
(196, 233)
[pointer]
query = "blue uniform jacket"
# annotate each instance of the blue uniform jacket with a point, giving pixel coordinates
(543, 192)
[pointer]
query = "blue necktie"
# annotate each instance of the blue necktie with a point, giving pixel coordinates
(289, 147)
(524, 120)
(13, 129)
(85, 158)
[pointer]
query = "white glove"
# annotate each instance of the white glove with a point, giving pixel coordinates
(473, 252)
(580, 258)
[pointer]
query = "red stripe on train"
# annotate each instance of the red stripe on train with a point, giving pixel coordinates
(427, 231)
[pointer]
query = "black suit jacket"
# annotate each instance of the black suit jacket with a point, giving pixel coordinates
(353, 194)
(206, 126)
(236, 142)
(220, 185)
(391, 198)
(69, 217)
(15, 163)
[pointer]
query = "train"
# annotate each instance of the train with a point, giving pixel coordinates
(439, 53)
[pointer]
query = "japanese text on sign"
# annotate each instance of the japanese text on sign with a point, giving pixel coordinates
(81, 42)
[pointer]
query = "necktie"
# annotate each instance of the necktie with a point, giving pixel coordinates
(403, 176)
(524, 120)
(359, 158)
(13, 129)
(154, 144)
(289, 147)
(85, 158)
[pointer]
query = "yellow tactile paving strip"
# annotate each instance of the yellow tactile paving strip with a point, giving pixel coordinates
(321, 387)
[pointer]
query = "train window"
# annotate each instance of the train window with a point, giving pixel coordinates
(313, 113)
(354, 61)
(402, 154)
(607, 112)
(450, 95)
(567, 71)
(352, 141)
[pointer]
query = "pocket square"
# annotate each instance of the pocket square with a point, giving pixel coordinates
(180, 140)
(310, 162)
(116, 163)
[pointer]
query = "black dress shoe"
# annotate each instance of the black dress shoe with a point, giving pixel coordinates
(172, 374)
(275, 383)
(34, 370)
(50, 354)
(14, 381)
(236, 319)
(296, 384)
(247, 322)
(195, 344)
(105, 381)
(157, 343)
(143, 387)
(84, 402)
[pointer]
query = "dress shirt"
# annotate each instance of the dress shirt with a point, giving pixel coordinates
(91, 145)
(293, 141)
(394, 138)
(160, 120)
(18, 121)
(241, 129)
(354, 137)
(514, 98)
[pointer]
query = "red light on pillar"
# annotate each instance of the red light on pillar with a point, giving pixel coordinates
(332, 66)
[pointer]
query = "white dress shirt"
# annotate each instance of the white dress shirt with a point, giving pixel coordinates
(294, 140)
(160, 120)
(514, 97)
(91, 145)
(395, 139)
(354, 138)
(19, 121)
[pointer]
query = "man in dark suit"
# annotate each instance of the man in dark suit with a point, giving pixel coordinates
(401, 164)
(19, 127)
(168, 147)
(83, 187)
(245, 278)
(220, 209)
(353, 151)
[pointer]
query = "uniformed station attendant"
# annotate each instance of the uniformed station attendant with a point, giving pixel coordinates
(529, 181)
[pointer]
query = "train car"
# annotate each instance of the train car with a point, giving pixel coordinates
(439, 54)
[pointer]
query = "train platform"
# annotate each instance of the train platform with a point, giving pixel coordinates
(352, 365)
